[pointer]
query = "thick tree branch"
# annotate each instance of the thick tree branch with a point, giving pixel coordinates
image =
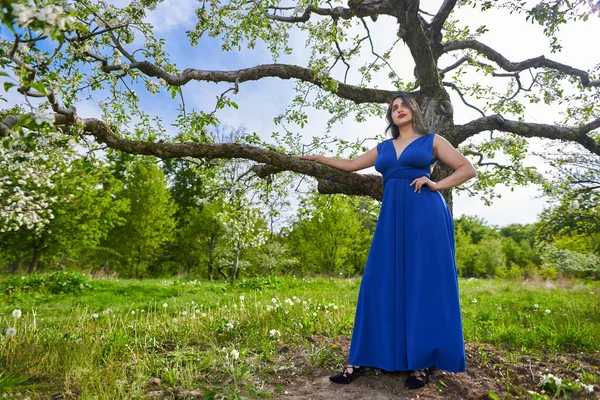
(283, 71)
(435, 28)
(413, 34)
(337, 12)
(497, 122)
(505, 64)
(334, 180)
(364, 8)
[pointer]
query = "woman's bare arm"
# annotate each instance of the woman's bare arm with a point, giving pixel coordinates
(363, 161)
(463, 169)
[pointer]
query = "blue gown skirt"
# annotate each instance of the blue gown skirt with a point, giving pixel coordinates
(408, 314)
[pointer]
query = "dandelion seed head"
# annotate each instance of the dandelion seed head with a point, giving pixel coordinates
(11, 332)
(474, 301)
(165, 305)
(241, 298)
(95, 315)
(547, 311)
(184, 313)
(17, 313)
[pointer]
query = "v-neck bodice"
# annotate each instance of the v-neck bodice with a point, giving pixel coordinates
(414, 161)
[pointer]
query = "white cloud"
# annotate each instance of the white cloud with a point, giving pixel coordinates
(173, 14)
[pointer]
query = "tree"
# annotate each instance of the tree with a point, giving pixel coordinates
(149, 223)
(475, 227)
(331, 235)
(199, 237)
(57, 50)
(53, 201)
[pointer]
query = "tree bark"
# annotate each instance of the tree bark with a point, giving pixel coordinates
(234, 267)
(38, 248)
(35, 259)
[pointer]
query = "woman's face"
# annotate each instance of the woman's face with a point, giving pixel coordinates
(401, 114)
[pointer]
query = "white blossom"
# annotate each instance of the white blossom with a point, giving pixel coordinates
(235, 354)
(24, 14)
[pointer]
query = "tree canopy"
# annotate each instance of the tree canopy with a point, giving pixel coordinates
(60, 52)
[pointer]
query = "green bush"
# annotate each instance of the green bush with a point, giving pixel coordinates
(55, 283)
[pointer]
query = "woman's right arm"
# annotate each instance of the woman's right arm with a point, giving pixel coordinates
(363, 161)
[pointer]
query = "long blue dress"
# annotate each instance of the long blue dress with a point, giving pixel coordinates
(408, 314)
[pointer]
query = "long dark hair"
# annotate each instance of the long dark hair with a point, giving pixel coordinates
(417, 118)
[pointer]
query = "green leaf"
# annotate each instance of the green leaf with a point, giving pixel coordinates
(40, 87)
(8, 85)
(493, 395)
(234, 105)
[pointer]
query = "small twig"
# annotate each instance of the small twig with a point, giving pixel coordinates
(456, 88)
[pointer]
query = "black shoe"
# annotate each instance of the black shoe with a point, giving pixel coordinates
(418, 379)
(346, 376)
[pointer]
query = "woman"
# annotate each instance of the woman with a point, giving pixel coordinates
(408, 313)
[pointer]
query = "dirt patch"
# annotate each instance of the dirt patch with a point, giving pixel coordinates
(296, 375)
(488, 369)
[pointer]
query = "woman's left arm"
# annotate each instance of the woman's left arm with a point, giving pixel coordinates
(445, 152)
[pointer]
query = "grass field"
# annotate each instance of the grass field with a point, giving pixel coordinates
(127, 339)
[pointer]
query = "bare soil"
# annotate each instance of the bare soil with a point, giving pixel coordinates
(488, 369)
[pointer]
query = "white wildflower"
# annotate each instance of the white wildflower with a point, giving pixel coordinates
(547, 311)
(235, 354)
(95, 315)
(587, 388)
(274, 333)
(165, 305)
(474, 301)
(17, 313)
(241, 298)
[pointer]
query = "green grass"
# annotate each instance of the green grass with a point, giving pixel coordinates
(62, 348)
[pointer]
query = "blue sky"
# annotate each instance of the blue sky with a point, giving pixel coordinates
(259, 102)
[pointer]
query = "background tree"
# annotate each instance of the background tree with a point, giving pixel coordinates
(149, 223)
(54, 202)
(331, 235)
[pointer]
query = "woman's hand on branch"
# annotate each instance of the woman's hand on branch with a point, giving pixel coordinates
(310, 158)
